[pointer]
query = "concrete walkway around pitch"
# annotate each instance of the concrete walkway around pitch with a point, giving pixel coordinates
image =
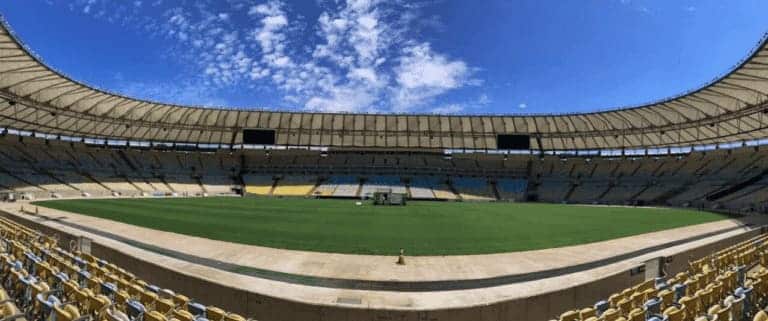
(370, 267)
(373, 267)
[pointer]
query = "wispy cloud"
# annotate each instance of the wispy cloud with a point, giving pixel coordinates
(358, 55)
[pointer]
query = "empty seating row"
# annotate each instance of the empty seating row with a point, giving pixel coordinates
(730, 284)
(50, 283)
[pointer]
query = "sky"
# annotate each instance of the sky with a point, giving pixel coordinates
(393, 56)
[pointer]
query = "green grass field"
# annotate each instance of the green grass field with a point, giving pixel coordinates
(422, 228)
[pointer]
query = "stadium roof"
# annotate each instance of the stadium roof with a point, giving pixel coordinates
(35, 97)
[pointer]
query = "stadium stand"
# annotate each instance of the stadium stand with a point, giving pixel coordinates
(45, 282)
(295, 186)
(729, 284)
(345, 186)
(473, 188)
(422, 187)
(723, 179)
(258, 184)
(427, 187)
(375, 183)
(512, 189)
(217, 184)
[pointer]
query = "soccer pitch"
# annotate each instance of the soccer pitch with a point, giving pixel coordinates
(421, 228)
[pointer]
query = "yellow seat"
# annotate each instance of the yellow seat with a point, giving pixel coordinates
(98, 305)
(148, 299)
(637, 299)
(183, 315)
(213, 313)
(667, 298)
(610, 315)
(689, 305)
(237, 317)
(135, 291)
(648, 294)
(82, 297)
(154, 316)
(706, 297)
(625, 305)
(121, 299)
(674, 313)
(636, 314)
(67, 312)
(722, 313)
(180, 301)
(570, 316)
(614, 299)
(164, 306)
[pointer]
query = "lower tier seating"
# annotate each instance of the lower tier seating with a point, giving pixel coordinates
(730, 284)
(295, 186)
(47, 283)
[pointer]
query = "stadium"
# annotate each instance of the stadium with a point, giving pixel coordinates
(122, 209)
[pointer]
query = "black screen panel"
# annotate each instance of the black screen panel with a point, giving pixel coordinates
(514, 142)
(259, 136)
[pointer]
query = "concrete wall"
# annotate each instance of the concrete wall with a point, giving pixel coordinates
(264, 308)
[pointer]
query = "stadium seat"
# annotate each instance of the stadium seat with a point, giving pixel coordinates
(164, 306)
(183, 315)
(610, 315)
(759, 316)
(154, 316)
(234, 317)
(213, 313)
(570, 316)
(637, 314)
(674, 313)
(66, 312)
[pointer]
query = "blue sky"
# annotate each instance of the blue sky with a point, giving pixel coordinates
(425, 56)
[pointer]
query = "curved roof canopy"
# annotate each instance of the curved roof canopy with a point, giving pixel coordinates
(36, 97)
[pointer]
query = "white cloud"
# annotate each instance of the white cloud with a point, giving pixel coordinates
(483, 100)
(522, 106)
(423, 75)
(448, 109)
(359, 55)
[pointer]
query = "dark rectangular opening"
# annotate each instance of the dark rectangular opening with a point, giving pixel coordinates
(513, 142)
(259, 136)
